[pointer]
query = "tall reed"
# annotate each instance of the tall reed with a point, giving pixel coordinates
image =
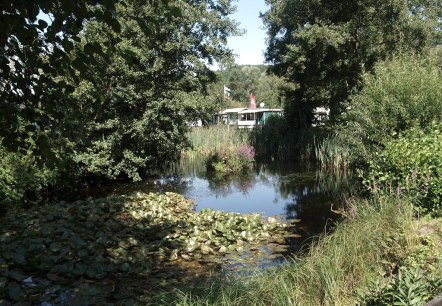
(332, 154)
(278, 140)
(205, 141)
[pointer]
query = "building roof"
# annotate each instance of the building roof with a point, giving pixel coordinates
(260, 110)
(233, 110)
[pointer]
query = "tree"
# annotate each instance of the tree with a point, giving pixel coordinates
(134, 95)
(35, 132)
(325, 46)
(246, 79)
(33, 61)
(401, 93)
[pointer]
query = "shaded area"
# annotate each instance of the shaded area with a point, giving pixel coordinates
(89, 252)
(121, 249)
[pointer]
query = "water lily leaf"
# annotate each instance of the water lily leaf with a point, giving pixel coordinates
(16, 275)
(206, 249)
(79, 268)
(186, 257)
(232, 247)
(53, 289)
(15, 292)
(83, 253)
(133, 241)
(174, 255)
(19, 256)
(91, 272)
(222, 250)
(125, 267)
(77, 242)
(292, 235)
(55, 246)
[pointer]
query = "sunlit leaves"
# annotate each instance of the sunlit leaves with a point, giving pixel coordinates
(134, 95)
(325, 47)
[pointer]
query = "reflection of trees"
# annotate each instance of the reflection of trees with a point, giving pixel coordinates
(337, 183)
(225, 185)
(311, 199)
(313, 209)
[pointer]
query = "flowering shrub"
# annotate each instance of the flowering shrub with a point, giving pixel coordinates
(246, 152)
(231, 159)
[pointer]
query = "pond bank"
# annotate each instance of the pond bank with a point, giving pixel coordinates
(378, 239)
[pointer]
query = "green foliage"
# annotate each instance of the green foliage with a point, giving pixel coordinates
(114, 99)
(74, 249)
(325, 47)
(407, 287)
(412, 164)
(231, 159)
(402, 92)
(247, 79)
(22, 178)
(135, 98)
(33, 63)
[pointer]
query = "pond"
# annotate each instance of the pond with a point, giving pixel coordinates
(135, 248)
(293, 192)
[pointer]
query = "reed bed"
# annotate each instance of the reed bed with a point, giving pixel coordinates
(205, 141)
(332, 154)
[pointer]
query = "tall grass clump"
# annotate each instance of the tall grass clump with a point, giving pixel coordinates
(332, 154)
(205, 141)
(366, 245)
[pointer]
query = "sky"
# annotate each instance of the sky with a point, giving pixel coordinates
(249, 47)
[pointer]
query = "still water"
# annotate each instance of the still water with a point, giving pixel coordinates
(288, 191)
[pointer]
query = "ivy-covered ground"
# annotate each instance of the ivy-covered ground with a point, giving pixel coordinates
(122, 249)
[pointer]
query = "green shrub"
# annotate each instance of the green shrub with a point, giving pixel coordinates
(411, 164)
(22, 178)
(407, 287)
(401, 93)
(231, 160)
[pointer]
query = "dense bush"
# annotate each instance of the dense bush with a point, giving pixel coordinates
(402, 92)
(408, 287)
(233, 159)
(411, 164)
(22, 178)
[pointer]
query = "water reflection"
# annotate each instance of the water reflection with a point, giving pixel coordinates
(288, 190)
(291, 191)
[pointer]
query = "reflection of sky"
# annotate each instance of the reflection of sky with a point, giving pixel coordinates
(272, 190)
(262, 196)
